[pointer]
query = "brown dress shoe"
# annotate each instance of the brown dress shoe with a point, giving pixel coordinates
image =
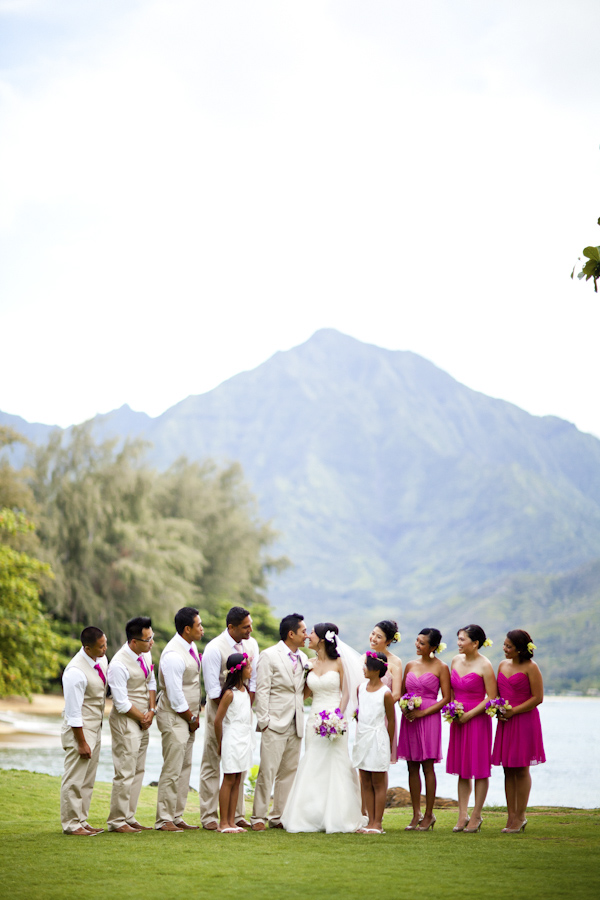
(259, 826)
(277, 825)
(80, 832)
(212, 826)
(94, 830)
(170, 826)
(141, 827)
(187, 827)
(126, 829)
(243, 823)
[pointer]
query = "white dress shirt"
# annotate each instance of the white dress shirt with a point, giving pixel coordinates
(118, 676)
(211, 665)
(172, 667)
(74, 685)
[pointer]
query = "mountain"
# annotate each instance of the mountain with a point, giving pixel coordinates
(394, 487)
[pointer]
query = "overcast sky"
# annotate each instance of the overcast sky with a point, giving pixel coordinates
(188, 187)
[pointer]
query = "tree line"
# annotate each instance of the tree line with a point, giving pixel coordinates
(90, 534)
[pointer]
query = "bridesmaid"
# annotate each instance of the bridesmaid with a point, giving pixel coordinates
(383, 635)
(420, 741)
(518, 743)
(469, 751)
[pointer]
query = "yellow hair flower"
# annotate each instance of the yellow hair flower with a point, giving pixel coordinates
(397, 636)
(488, 643)
(531, 646)
(441, 647)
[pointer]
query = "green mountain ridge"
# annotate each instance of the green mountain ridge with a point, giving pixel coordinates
(397, 491)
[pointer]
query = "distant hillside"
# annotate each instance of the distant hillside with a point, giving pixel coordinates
(394, 487)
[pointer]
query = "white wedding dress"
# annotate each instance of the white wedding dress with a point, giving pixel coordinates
(325, 795)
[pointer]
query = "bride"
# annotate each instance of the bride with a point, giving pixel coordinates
(325, 795)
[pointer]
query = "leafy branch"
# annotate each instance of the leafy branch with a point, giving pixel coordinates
(592, 267)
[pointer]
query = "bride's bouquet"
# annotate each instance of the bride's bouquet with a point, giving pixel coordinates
(410, 701)
(495, 707)
(329, 724)
(452, 711)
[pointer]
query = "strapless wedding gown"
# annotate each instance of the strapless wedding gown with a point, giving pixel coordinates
(325, 795)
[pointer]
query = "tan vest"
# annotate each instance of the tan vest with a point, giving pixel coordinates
(92, 710)
(191, 677)
(137, 684)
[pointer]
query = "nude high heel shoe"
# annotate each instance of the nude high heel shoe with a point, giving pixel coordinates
(515, 830)
(414, 827)
(461, 828)
(431, 824)
(474, 830)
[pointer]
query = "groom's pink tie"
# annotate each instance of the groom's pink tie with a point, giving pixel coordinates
(143, 665)
(294, 659)
(98, 669)
(194, 654)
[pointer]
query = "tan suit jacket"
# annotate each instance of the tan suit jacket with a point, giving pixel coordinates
(279, 690)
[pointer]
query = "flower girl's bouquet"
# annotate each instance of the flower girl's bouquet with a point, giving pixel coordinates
(410, 701)
(495, 707)
(329, 724)
(452, 711)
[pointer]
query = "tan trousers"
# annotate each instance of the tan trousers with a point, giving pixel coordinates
(78, 780)
(174, 781)
(279, 756)
(129, 746)
(210, 774)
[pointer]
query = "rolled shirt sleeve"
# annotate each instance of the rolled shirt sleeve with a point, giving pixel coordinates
(211, 671)
(172, 667)
(74, 685)
(118, 676)
(254, 653)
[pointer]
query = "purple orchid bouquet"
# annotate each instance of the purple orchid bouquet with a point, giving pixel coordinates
(410, 701)
(494, 707)
(329, 724)
(452, 711)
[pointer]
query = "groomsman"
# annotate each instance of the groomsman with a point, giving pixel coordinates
(235, 638)
(133, 687)
(279, 708)
(84, 687)
(177, 714)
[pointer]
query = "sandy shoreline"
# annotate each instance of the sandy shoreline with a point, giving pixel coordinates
(25, 734)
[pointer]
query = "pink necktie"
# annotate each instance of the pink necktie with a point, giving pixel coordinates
(193, 653)
(142, 664)
(100, 672)
(239, 647)
(294, 660)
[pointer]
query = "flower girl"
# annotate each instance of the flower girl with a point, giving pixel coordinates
(374, 739)
(233, 728)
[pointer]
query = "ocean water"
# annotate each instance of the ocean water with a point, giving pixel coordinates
(570, 777)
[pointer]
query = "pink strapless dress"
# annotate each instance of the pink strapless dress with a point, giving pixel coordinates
(387, 680)
(519, 741)
(422, 739)
(470, 747)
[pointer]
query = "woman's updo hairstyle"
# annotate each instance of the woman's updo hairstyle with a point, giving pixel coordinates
(376, 662)
(324, 628)
(521, 639)
(433, 635)
(390, 629)
(475, 632)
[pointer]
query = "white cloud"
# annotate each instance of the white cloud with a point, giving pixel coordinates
(189, 187)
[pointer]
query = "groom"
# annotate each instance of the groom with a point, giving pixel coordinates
(279, 708)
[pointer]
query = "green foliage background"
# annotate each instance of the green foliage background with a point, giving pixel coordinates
(116, 539)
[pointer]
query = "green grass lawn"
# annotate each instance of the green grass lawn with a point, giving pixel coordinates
(557, 856)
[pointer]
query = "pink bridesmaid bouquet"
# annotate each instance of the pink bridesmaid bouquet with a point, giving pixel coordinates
(410, 701)
(452, 711)
(493, 707)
